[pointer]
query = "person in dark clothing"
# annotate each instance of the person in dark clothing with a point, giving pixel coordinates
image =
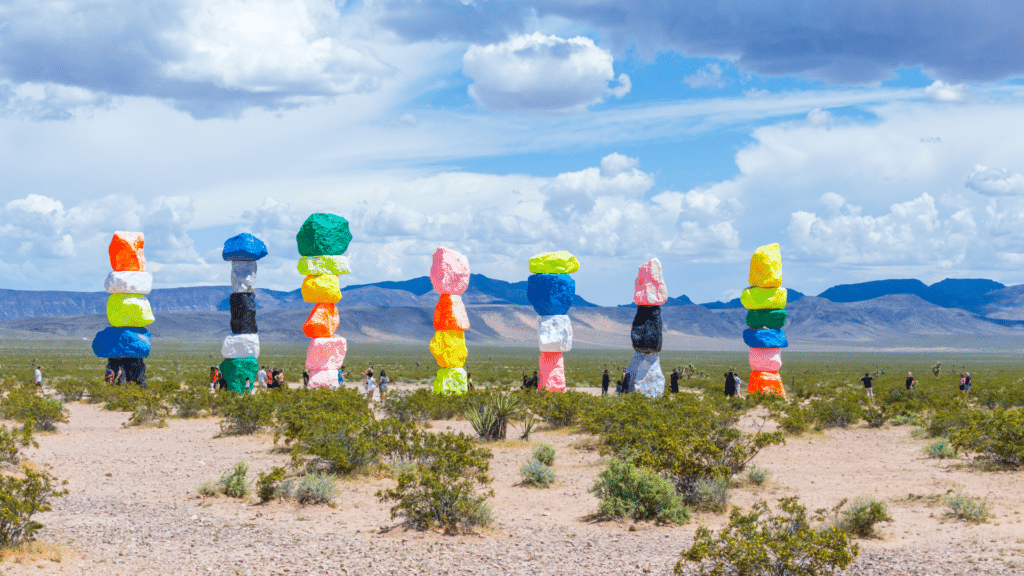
(275, 378)
(534, 380)
(627, 383)
(867, 385)
(730, 383)
(605, 379)
(967, 383)
(910, 381)
(526, 381)
(305, 378)
(674, 381)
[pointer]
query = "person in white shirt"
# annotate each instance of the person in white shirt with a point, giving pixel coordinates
(261, 377)
(39, 376)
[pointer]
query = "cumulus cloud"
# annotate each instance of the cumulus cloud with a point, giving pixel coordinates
(995, 181)
(541, 73)
(708, 76)
(939, 91)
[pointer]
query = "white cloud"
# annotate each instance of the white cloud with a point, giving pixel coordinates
(708, 76)
(541, 73)
(819, 117)
(939, 91)
(995, 181)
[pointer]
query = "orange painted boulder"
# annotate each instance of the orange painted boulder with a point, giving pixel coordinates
(450, 313)
(322, 321)
(766, 382)
(126, 252)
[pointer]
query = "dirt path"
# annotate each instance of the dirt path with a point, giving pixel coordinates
(133, 509)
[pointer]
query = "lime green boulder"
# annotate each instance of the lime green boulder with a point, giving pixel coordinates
(450, 381)
(237, 370)
(322, 265)
(561, 262)
(129, 311)
(323, 234)
(763, 298)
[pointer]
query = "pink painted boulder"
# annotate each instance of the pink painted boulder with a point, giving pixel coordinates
(765, 359)
(326, 354)
(650, 289)
(323, 378)
(552, 372)
(449, 273)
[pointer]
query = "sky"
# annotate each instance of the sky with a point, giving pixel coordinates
(871, 139)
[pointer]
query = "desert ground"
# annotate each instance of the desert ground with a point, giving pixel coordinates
(133, 508)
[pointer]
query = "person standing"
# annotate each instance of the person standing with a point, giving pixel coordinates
(534, 380)
(967, 384)
(371, 385)
(910, 381)
(469, 383)
(730, 384)
(305, 378)
(39, 376)
(867, 385)
(341, 377)
(674, 381)
(384, 380)
(261, 377)
(605, 380)
(275, 381)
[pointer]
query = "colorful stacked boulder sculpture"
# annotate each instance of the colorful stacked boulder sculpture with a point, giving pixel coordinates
(126, 342)
(242, 348)
(650, 292)
(765, 301)
(449, 275)
(323, 239)
(551, 291)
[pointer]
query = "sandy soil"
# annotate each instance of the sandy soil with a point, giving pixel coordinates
(133, 509)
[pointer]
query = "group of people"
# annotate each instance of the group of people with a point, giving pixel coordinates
(623, 385)
(910, 383)
(264, 379)
(115, 376)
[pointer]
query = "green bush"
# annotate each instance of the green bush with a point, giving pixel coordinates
(771, 544)
(940, 448)
(21, 499)
(838, 412)
(946, 421)
(876, 417)
(121, 398)
(710, 495)
(149, 407)
(544, 454)
(191, 401)
(537, 473)
(996, 436)
(248, 414)
(625, 491)
(911, 418)
(209, 488)
(316, 488)
(234, 482)
(561, 409)
(758, 476)
(860, 517)
(964, 507)
(22, 404)
(441, 492)
(268, 483)
(13, 440)
(70, 389)
(792, 419)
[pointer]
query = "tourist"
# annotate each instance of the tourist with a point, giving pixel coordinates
(370, 385)
(248, 385)
(674, 381)
(526, 382)
(108, 377)
(261, 377)
(469, 381)
(384, 385)
(122, 377)
(730, 384)
(275, 378)
(605, 380)
(739, 382)
(534, 381)
(280, 378)
(213, 378)
(867, 385)
(341, 377)
(967, 384)
(627, 382)
(305, 378)
(369, 371)
(39, 376)
(910, 381)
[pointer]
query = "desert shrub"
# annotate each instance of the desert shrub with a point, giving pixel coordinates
(441, 492)
(711, 494)
(148, 407)
(758, 475)
(964, 507)
(209, 488)
(561, 409)
(760, 542)
(492, 413)
(996, 436)
(191, 401)
(234, 482)
(544, 454)
(267, 483)
(344, 443)
(859, 517)
(940, 448)
(946, 421)
(529, 422)
(792, 419)
(626, 491)
(837, 412)
(316, 488)
(911, 418)
(537, 473)
(70, 389)
(298, 409)
(22, 404)
(684, 439)
(248, 414)
(875, 417)
(422, 404)
(13, 440)
(21, 499)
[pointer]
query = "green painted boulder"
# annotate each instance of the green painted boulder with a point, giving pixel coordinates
(237, 370)
(322, 265)
(451, 381)
(561, 262)
(766, 318)
(323, 234)
(763, 298)
(129, 311)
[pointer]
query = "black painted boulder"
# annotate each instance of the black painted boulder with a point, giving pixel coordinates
(134, 369)
(243, 313)
(646, 332)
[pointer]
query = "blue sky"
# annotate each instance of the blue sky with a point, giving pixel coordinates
(870, 139)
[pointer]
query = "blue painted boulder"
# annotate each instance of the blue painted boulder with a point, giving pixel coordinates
(245, 247)
(765, 338)
(551, 294)
(121, 343)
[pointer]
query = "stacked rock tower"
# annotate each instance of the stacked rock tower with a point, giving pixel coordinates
(242, 347)
(449, 275)
(551, 291)
(323, 239)
(649, 293)
(765, 301)
(127, 341)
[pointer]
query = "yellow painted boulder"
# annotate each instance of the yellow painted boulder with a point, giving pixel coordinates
(321, 288)
(763, 298)
(129, 311)
(449, 348)
(766, 267)
(561, 262)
